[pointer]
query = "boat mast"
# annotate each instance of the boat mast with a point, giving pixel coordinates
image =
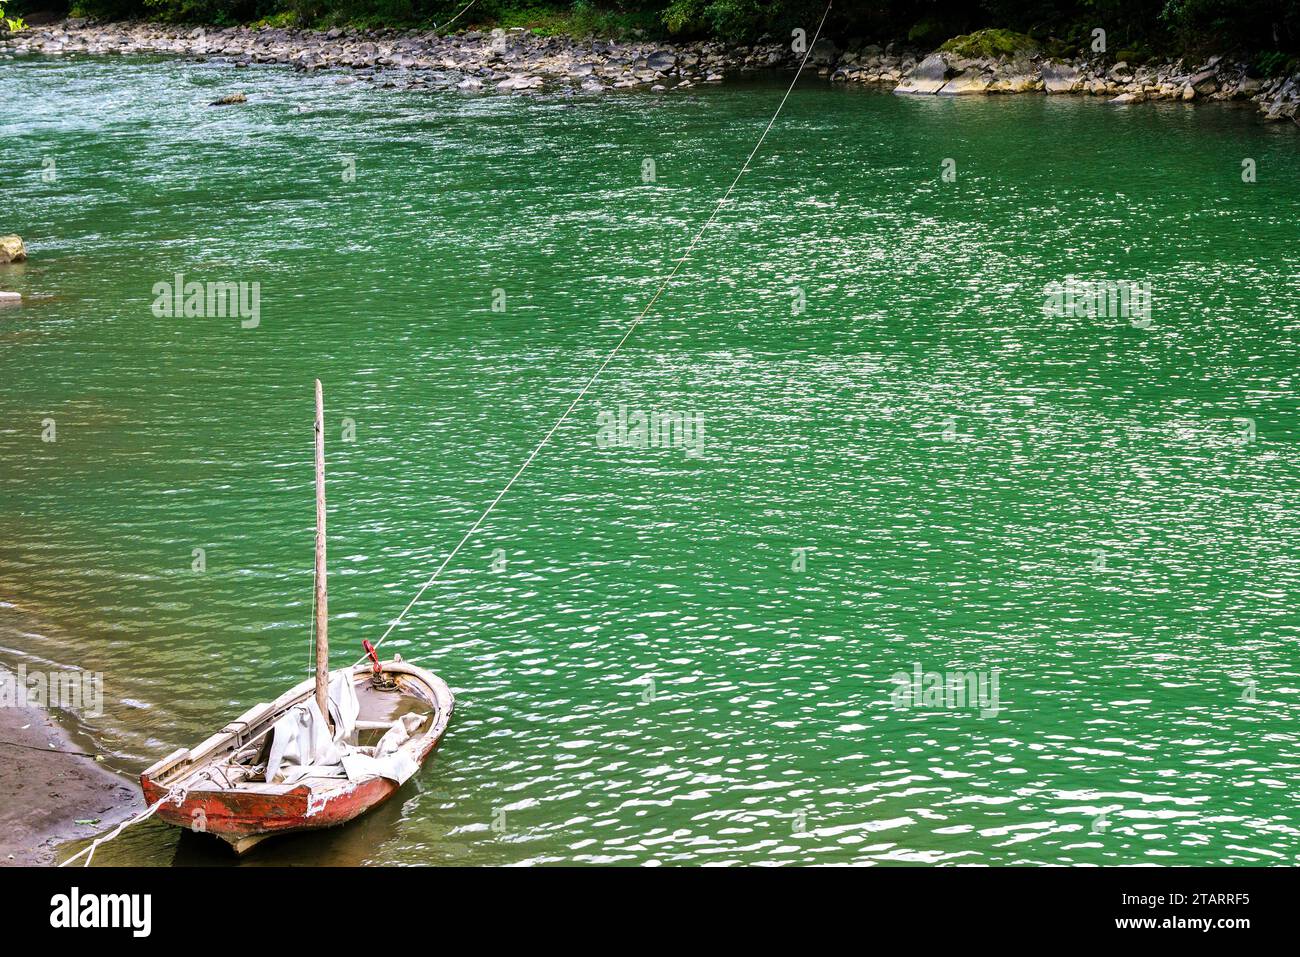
(322, 599)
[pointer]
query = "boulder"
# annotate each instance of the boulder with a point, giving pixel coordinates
(1249, 86)
(1016, 82)
(823, 53)
(1205, 82)
(928, 76)
(1281, 111)
(1128, 98)
(12, 250)
(9, 298)
(229, 99)
(520, 83)
(1059, 77)
(661, 61)
(968, 82)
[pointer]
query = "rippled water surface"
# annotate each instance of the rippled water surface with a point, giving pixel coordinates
(1075, 503)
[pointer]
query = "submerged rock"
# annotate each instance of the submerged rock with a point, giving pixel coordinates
(230, 99)
(520, 83)
(12, 250)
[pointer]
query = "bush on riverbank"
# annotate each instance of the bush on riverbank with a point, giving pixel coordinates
(1143, 27)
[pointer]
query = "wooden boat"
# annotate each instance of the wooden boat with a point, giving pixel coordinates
(220, 786)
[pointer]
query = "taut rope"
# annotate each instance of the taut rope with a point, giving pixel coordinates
(632, 328)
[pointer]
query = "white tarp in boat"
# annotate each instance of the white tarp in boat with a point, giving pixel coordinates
(302, 746)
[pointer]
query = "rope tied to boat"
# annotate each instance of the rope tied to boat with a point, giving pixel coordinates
(618, 346)
(175, 793)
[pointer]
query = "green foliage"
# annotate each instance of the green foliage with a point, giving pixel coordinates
(579, 19)
(1275, 63)
(8, 23)
(1233, 24)
(1137, 28)
(926, 32)
(728, 19)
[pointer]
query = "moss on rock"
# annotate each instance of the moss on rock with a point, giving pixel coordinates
(991, 43)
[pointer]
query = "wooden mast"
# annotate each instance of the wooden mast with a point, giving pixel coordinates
(322, 598)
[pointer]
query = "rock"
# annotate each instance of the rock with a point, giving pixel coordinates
(12, 250)
(1128, 98)
(229, 99)
(1025, 82)
(522, 82)
(1204, 83)
(9, 298)
(1188, 92)
(823, 53)
(661, 60)
(592, 86)
(470, 83)
(658, 88)
(1059, 77)
(928, 76)
(966, 83)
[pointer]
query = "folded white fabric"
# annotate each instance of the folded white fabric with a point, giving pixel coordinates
(302, 746)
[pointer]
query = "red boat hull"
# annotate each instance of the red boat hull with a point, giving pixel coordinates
(236, 816)
(244, 814)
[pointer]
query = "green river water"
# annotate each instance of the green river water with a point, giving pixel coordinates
(1099, 510)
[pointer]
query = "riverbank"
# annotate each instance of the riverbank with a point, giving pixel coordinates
(518, 61)
(51, 790)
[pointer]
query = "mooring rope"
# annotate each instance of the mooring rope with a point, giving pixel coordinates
(456, 17)
(632, 328)
(176, 793)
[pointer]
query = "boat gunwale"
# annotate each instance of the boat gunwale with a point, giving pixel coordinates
(259, 719)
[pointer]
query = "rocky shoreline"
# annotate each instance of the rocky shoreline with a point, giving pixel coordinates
(517, 61)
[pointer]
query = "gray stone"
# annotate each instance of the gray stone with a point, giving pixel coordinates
(661, 60)
(969, 82)
(823, 53)
(1059, 77)
(1205, 82)
(928, 76)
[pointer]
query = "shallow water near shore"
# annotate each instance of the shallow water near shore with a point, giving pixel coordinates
(1100, 510)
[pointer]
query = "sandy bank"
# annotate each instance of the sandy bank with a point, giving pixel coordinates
(46, 787)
